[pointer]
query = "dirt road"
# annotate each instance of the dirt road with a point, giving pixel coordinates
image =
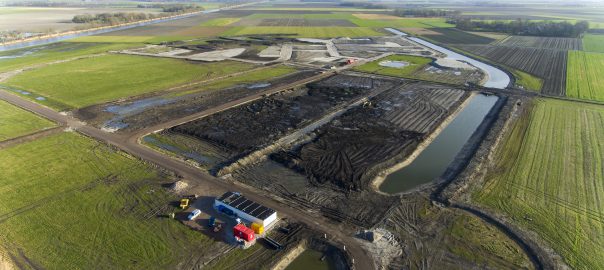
(129, 143)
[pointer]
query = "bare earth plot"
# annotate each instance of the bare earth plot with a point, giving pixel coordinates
(241, 130)
(351, 150)
(543, 42)
(547, 177)
(454, 36)
(585, 80)
(40, 19)
(100, 79)
(441, 238)
(550, 65)
(92, 207)
(15, 122)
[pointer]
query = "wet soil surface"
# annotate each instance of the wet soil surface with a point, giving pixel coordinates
(250, 127)
(146, 111)
(350, 151)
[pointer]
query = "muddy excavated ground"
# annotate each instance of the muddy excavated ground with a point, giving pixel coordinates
(143, 111)
(351, 150)
(241, 130)
(330, 167)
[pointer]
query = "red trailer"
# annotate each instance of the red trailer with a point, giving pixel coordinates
(243, 232)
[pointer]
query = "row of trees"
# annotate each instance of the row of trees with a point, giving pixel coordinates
(112, 18)
(525, 27)
(123, 17)
(173, 8)
(363, 5)
(425, 12)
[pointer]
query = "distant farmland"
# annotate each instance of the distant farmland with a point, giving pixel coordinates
(547, 176)
(550, 65)
(593, 43)
(454, 36)
(543, 42)
(585, 80)
(317, 32)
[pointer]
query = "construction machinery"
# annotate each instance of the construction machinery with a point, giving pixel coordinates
(184, 203)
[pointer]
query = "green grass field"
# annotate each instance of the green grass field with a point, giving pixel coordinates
(100, 79)
(593, 43)
(53, 52)
(316, 32)
(68, 202)
(584, 78)
(548, 177)
(415, 63)
(253, 76)
(15, 122)
(527, 81)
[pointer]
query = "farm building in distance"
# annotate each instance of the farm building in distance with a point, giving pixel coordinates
(246, 209)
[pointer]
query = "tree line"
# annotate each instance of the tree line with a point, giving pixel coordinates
(525, 27)
(174, 8)
(123, 17)
(425, 12)
(363, 5)
(113, 18)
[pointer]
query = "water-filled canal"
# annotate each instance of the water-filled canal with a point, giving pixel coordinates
(434, 160)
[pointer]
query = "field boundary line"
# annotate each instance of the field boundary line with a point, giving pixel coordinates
(30, 137)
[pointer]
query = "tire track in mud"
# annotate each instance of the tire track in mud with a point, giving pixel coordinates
(295, 137)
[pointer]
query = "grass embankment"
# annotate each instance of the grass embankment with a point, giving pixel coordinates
(415, 63)
(593, 43)
(105, 78)
(15, 122)
(527, 81)
(53, 52)
(584, 78)
(483, 244)
(454, 234)
(312, 32)
(548, 177)
(68, 202)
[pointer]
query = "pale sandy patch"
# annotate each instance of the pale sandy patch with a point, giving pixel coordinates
(369, 16)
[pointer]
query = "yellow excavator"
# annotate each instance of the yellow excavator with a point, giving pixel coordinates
(184, 203)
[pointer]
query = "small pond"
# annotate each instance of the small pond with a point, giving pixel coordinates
(394, 64)
(312, 259)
